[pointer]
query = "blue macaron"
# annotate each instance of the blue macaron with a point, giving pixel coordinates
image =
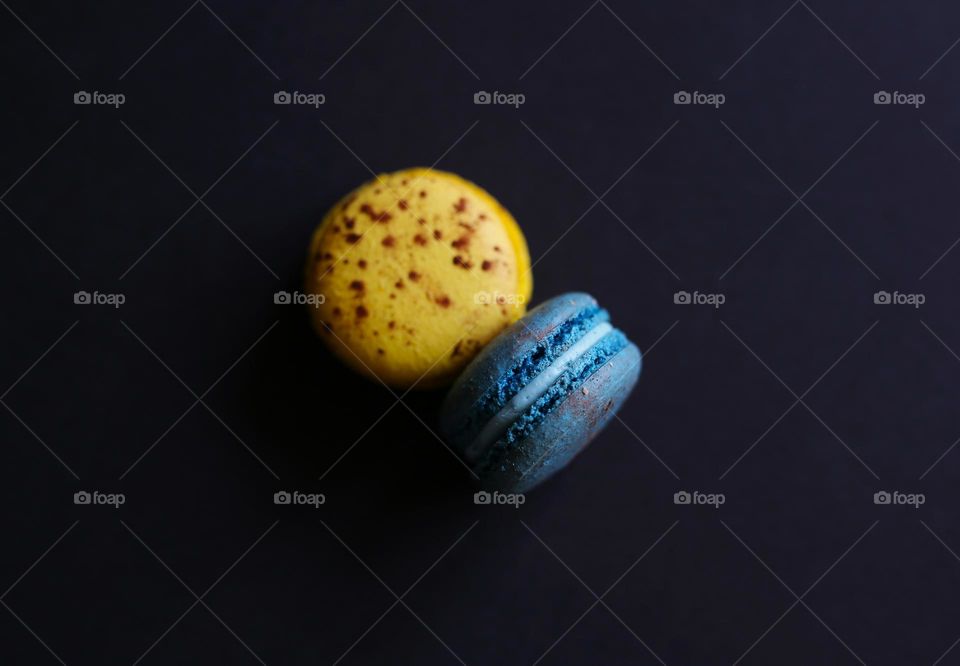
(539, 392)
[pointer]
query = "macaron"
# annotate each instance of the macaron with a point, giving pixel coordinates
(539, 393)
(417, 271)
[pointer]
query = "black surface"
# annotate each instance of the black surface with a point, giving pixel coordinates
(722, 584)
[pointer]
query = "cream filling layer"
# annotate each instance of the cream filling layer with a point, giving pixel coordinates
(533, 391)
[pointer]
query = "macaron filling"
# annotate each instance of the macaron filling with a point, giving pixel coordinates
(546, 352)
(517, 421)
(533, 389)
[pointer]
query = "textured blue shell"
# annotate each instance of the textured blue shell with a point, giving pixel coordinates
(572, 421)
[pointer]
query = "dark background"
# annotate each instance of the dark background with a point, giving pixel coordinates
(878, 584)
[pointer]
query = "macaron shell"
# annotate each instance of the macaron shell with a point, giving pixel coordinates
(517, 342)
(569, 428)
(410, 266)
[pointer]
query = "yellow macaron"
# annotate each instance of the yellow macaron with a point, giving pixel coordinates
(417, 270)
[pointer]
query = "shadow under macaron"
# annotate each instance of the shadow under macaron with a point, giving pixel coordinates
(336, 432)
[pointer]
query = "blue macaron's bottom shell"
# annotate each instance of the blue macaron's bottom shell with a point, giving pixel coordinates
(565, 420)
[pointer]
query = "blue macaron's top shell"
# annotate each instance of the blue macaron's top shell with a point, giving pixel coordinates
(561, 422)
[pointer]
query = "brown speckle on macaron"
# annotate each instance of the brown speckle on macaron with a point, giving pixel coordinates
(388, 241)
(362, 263)
(420, 239)
(392, 325)
(414, 276)
(462, 263)
(443, 301)
(357, 285)
(353, 238)
(399, 284)
(349, 222)
(486, 265)
(362, 312)
(437, 234)
(423, 194)
(382, 217)
(461, 242)
(461, 205)
(402, 204)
